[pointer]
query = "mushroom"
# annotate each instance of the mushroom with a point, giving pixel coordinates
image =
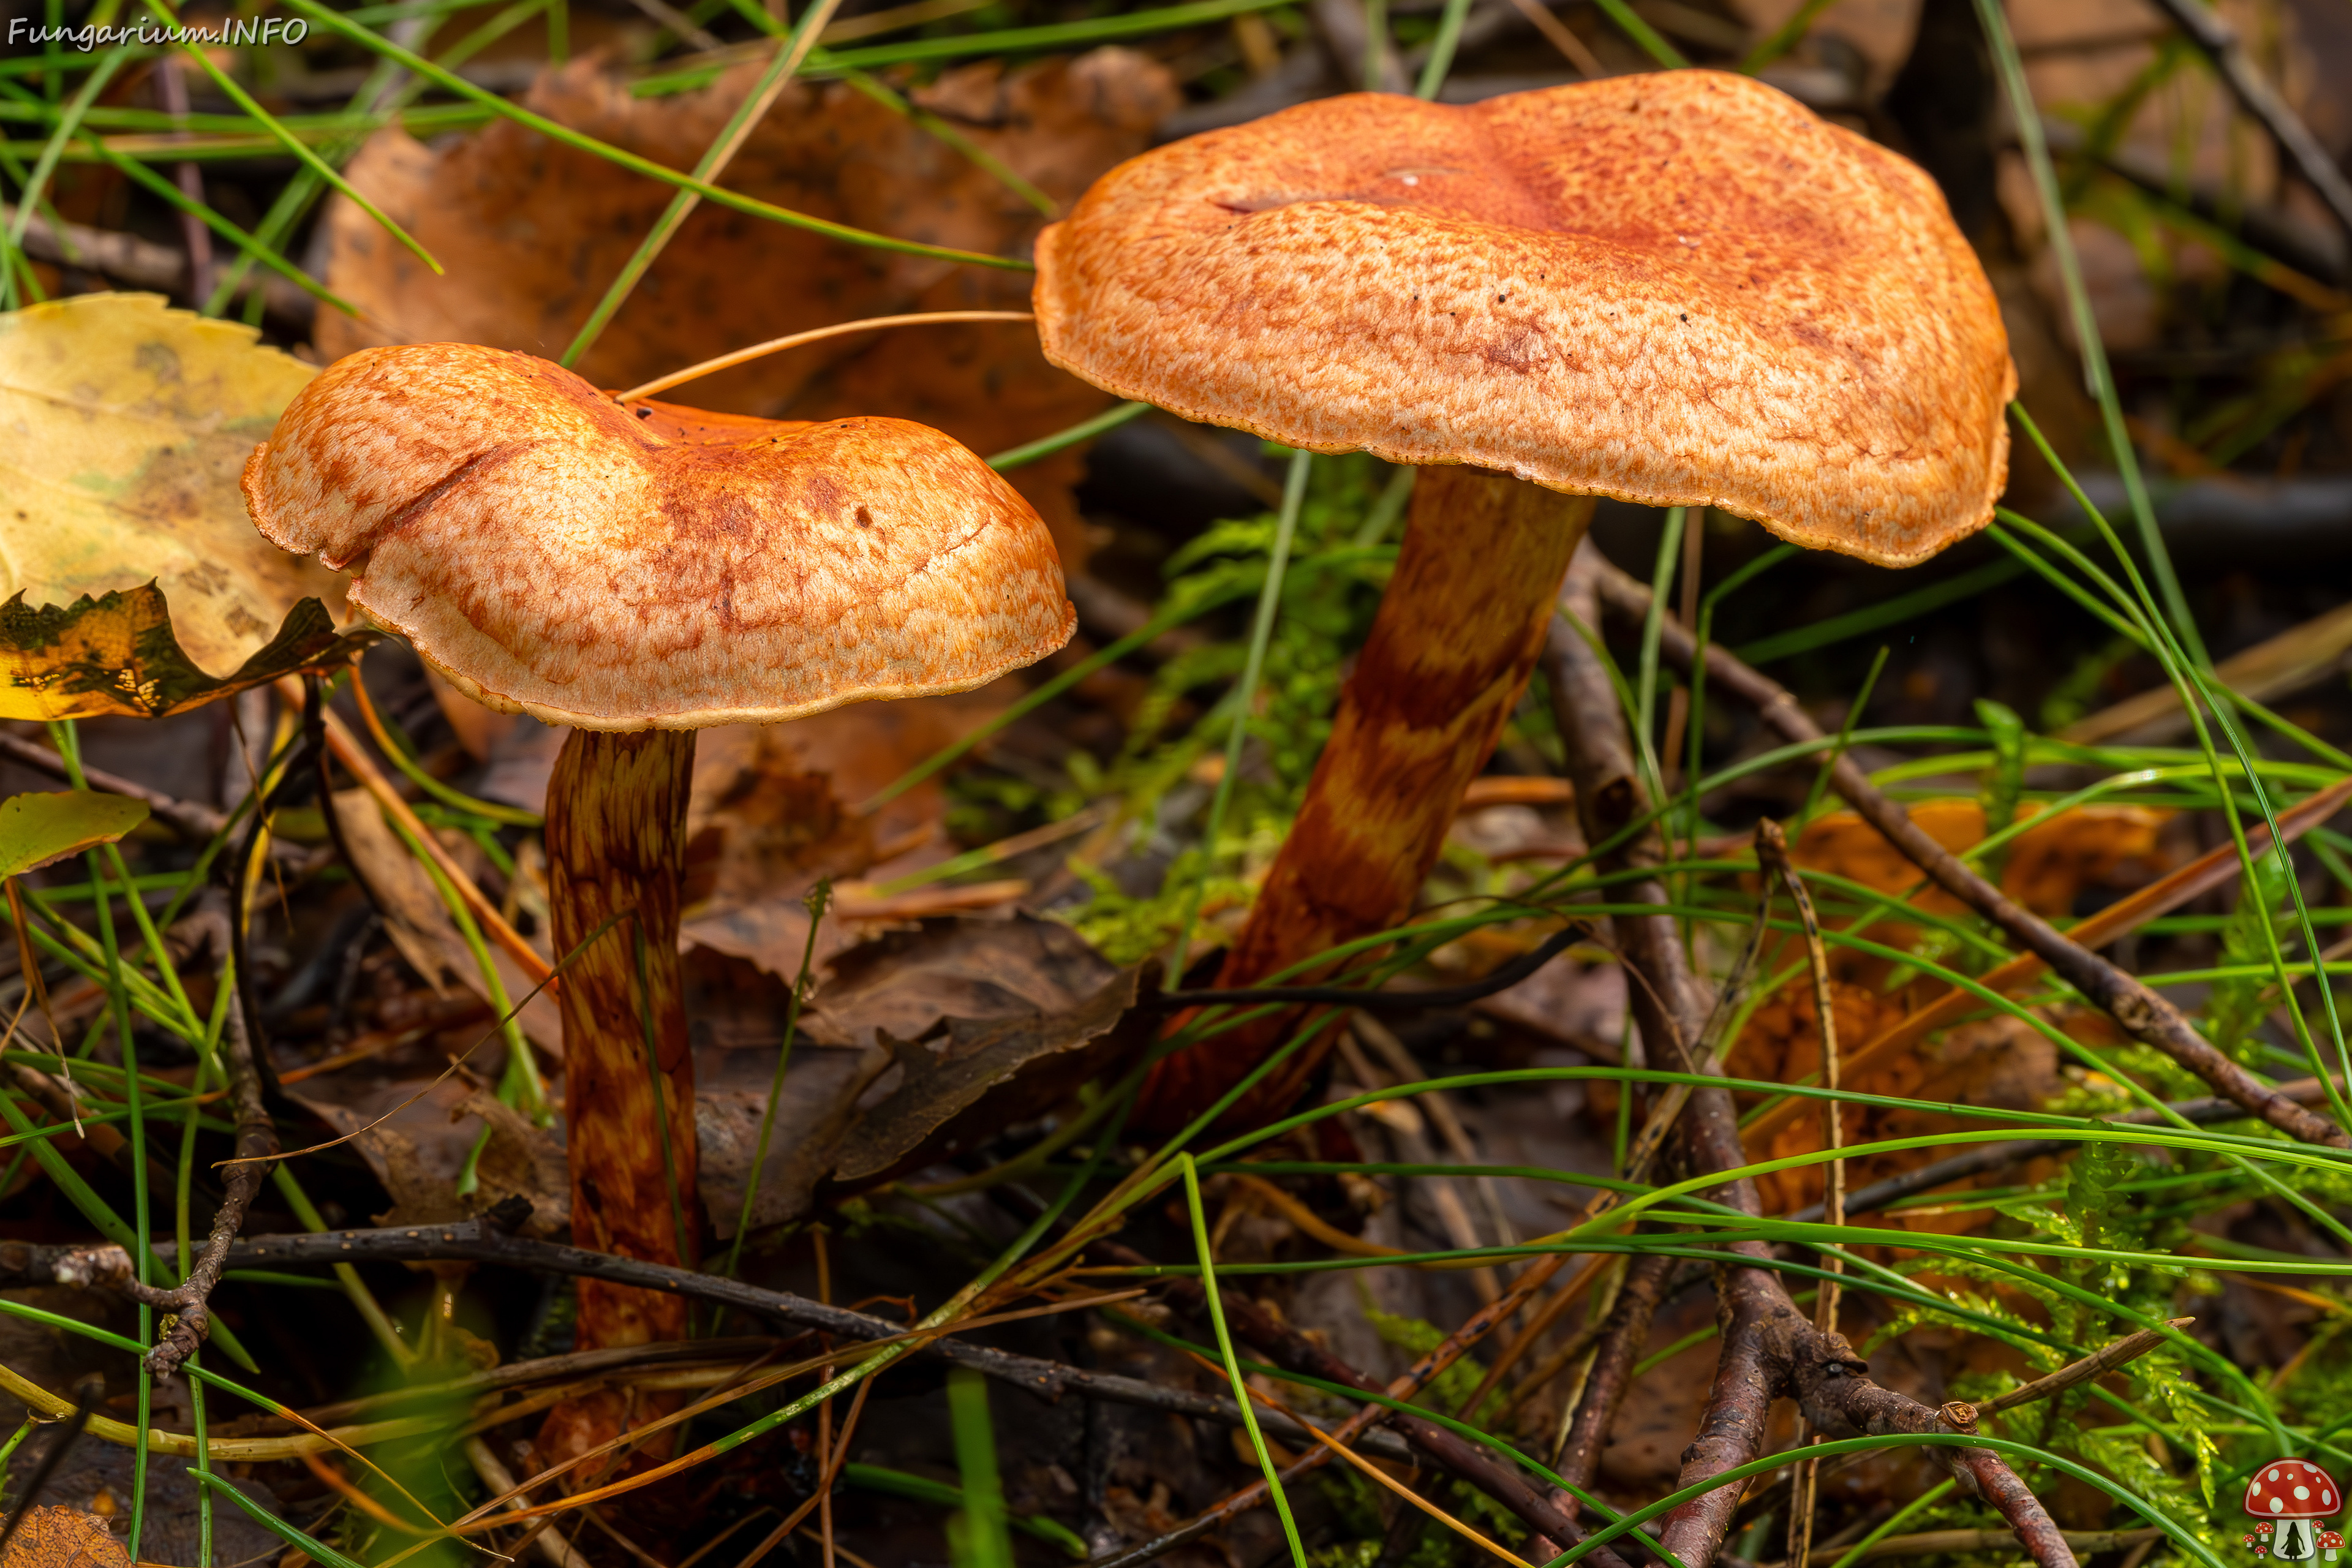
(1681, 289)
(2292, 1493)
(2330, 1543)
(638, 571)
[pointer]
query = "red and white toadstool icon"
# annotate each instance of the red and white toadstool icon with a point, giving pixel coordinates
(2294, 1493)
(2330, 1543)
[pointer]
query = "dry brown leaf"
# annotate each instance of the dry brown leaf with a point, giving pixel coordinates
(533, 232)
(2049, 864)
(2000, 1063)
(904, 982)
(1008, 1069)
(49, 1537)
(822, 1091)
(922, 1043)
(418, 1150)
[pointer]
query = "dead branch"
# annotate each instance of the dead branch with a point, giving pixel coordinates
(476, 1241)
(2142, 1013)
(1770, 1349)
(2100, 1362)
(1623, 1337)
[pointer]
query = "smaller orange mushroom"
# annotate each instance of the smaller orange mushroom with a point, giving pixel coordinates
(637, 572)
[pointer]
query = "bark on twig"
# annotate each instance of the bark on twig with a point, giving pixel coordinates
(1622, 1339)
(1770, 1349)
(2100, 1362)
(2143, 1014)
(478, 1241)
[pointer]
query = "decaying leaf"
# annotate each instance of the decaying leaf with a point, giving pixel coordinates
(117, 655)
(922, 1042)
(418, 1146)
(820, 1104)
(51, 1537)
(904, 982)
(37, 830)
(127, 424)
(532, 233)
(774, 805)
(947, 1073)
(2049, 864)
(1993, 1063)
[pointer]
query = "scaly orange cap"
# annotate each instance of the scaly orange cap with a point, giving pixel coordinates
(1681, 289)
(653, 567)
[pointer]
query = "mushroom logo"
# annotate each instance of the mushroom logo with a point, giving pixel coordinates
(2295, 1493)
(2330, 1543)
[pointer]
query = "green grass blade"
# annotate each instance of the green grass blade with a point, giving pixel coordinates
(1245, 698)
(817, 899)
(1646, 36)
(316, 1550)
(2036, 148)
(1233, 1369)
(1885, 613)
(29, 200)
(1442, 48)
(296, 145)
(174, 197)
(1109, 419)
(976, 1531)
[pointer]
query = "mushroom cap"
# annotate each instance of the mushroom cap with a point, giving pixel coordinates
(653, 567)
(1681, 289)
(2291, 1489)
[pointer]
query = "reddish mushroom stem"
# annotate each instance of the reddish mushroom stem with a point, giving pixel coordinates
(616, 847)
(1448, 656)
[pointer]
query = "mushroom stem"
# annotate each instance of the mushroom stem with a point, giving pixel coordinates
(616, 846)
(1447, 658)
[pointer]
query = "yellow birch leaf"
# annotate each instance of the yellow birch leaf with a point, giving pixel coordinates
(133, 575)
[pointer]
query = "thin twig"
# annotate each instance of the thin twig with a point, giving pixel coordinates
(557, 1552)
(477, 1241)
(2103, 1360)
(1623, 1336)
(1773, 855)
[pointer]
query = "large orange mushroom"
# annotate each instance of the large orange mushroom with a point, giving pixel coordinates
(637, 572)
(1681, 289)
